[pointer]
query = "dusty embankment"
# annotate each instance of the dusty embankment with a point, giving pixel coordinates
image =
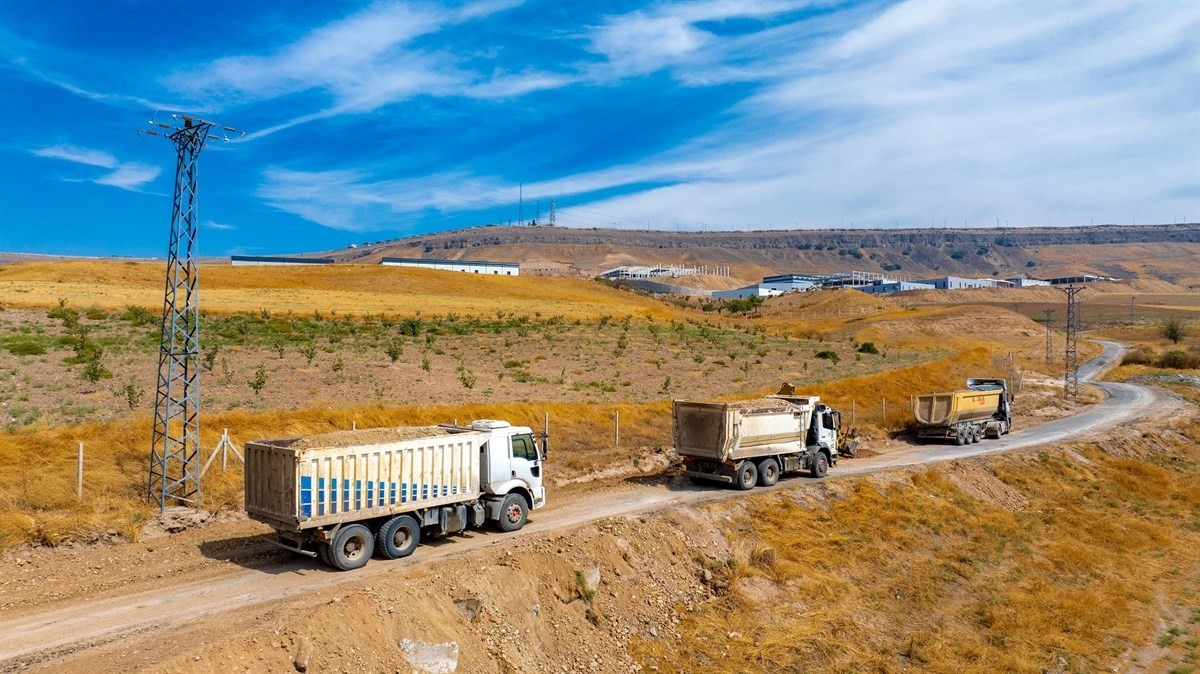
(1088, 552)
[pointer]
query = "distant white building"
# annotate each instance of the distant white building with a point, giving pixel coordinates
(1083, 278)
(880, 288)
(786, 283)
(468, 266)
(958, 282)
(1027, 282)
(756, 290)
(249, 260)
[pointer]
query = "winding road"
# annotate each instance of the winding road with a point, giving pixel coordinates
(42, 634)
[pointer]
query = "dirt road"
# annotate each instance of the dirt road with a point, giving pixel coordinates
(147, 602)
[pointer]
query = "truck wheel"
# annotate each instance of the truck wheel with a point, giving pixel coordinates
(398, 537)
(323, 553)
(820, 465)
(768, 472)
(960, 439)
(975, 435)
(513, 512)
(352, 547)
(747, 475)
(1005, 428)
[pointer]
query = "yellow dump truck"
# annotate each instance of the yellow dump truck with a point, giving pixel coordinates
(983, 409)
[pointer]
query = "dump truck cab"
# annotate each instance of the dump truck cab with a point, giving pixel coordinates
(510, 461)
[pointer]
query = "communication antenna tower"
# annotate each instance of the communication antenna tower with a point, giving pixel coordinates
(1049, 336)
(175, 443)
(1071, 372)
(551, 212)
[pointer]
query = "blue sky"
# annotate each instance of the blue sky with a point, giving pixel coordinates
(370, 121)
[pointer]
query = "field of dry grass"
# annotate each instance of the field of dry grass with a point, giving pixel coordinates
(1088, 555)
(919, 350)
(336, 290)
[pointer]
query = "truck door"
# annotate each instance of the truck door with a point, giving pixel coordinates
(526, 463)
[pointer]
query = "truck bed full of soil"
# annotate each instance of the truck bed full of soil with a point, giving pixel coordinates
(366, 436)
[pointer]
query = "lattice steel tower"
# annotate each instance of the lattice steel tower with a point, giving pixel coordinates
(1049, 336)
(1071, 372)
(175, 444)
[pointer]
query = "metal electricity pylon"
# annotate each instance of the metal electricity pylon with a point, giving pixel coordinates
(1071, 371)
(175, 444)
(1049, 336)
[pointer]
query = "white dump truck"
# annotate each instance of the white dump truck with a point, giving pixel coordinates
(755, 441)
(343, 496)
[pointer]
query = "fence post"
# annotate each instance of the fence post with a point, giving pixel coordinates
(884, 411)
(853, 419)
(79, 475)
(617, 429)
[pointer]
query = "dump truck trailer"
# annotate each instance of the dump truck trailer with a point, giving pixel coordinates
(755, 441)
(983, 409)
(343, 496)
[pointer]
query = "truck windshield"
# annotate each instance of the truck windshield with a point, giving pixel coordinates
(524, 448)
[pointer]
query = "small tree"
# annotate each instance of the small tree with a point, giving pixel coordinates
(309, 351)
(394, 348)
(1173, 330)
(260, 379)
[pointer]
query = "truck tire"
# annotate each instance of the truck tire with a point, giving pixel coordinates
(352, 547)
(513, 513)
(820, 465)
(747, 475)
(1005, 427)
(961, 438)
(398, 537)
(323, 553)
(768, 472)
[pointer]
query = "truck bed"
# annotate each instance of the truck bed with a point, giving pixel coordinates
(742, 429)
(300, 483)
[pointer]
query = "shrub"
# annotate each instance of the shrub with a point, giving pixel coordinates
(868, 347)
(1173, 330)
(133, 394)
(26, 348)
(1179, 360)
(828, 355)
(957, 255)
(94, 370)
(394, 348)
(1031, 263)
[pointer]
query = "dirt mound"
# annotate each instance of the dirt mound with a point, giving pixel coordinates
(978, 480)
(371, 436)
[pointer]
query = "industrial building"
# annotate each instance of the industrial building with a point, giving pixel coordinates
(244, 260)
(1083, 278)
(958, 282)
(787, 283)
(1027, 282)
(756, 290)
(468, 266)
(880, 288)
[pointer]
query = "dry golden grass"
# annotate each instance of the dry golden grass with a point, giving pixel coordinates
(37, 467)
(891, 576)
(356, 289)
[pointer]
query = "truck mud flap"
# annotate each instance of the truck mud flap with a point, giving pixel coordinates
(713, 477)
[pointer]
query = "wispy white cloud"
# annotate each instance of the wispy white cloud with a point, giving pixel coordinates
(669, 35)
(956, 112)
(209, 224)
(361, 63)
(78, 155)
(124, 175)
(355, 201)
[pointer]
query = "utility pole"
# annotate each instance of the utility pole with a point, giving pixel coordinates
(1049, 336)
(521, 204)
(552, 212)
(175, 442)
(1071, 364)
